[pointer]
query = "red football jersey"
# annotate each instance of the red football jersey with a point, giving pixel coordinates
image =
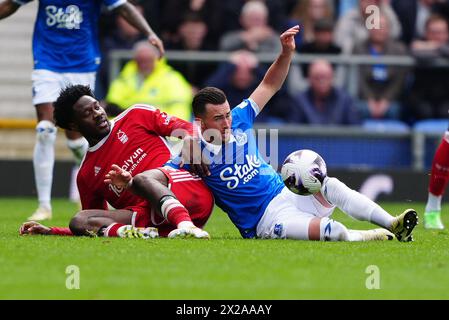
(136, 143)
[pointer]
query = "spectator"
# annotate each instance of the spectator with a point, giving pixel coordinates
(429, 94)
(276, 19)
(323, 44)
(210, 11)
(147, 80)
(307, 12)
(121, 35)
(239, 77)
(257, 35)
(322, 103)
(413, 15)
(380, 85)
(191, 34)
(351, 28)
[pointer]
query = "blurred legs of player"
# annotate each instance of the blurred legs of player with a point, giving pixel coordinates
(307, 217)
(78, 145)
(439, 178)
(46, 88)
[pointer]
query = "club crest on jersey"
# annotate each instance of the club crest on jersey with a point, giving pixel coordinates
(122, 136)
(96, 170)
(240, 138)
(68, 18)
(166, 117)
(233, 175)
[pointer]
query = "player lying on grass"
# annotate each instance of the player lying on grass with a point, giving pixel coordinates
(253, 194)
(134, 140)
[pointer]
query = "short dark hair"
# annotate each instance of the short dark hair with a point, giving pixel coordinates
(207, 95)
(323, 25)
(63, 112)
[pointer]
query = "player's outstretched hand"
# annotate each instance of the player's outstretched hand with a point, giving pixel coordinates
(191, 154)
(288, 39)
(118, 177)
(32, 228)
(155, 41)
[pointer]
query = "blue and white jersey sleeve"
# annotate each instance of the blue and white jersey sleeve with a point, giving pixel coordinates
(243, 115)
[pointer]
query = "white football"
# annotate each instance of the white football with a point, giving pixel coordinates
(303, 172)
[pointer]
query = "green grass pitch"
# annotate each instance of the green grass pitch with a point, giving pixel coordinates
(226, 267)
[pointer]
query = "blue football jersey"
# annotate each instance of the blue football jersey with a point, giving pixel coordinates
(242, 182)
(65, 35)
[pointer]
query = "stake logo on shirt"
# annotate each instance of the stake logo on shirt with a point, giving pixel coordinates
(239, 172)
(68, 18)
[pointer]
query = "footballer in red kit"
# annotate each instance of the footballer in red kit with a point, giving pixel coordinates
(134, 142)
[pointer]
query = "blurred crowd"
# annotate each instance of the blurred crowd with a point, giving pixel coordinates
(314, 93)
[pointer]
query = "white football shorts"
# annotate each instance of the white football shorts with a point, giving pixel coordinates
(48, 84)
(288, 206)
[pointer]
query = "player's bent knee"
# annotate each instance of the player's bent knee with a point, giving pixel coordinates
(79, 224)
(149, 178)
(46, 132)
(331, 230)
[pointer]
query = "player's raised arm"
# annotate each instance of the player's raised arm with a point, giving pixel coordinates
(136, 19)
(276, 74)
(7, 8)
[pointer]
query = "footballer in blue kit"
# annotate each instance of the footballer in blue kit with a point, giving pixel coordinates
(253, 194)
(241, 180)
(65, 52)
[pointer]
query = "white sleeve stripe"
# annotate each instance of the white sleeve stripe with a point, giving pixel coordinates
(118, 3)
(254, 106)
(21, 3)
(136, 106)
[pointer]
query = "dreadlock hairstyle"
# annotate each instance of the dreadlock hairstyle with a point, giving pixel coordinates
(63, 112)
(207, 95)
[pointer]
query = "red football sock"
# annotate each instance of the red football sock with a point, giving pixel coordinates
(178, 215)
(439, 176)
(173, 210)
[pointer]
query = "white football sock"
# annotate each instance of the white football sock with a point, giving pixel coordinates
(43, 161)
(354, 235)
(433, 203)
(78, 147)
(329, 230)
(355, 204)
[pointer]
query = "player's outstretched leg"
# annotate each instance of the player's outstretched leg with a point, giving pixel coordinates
(439, 178)
(43, 162)
(362, 208)
(324, 229)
